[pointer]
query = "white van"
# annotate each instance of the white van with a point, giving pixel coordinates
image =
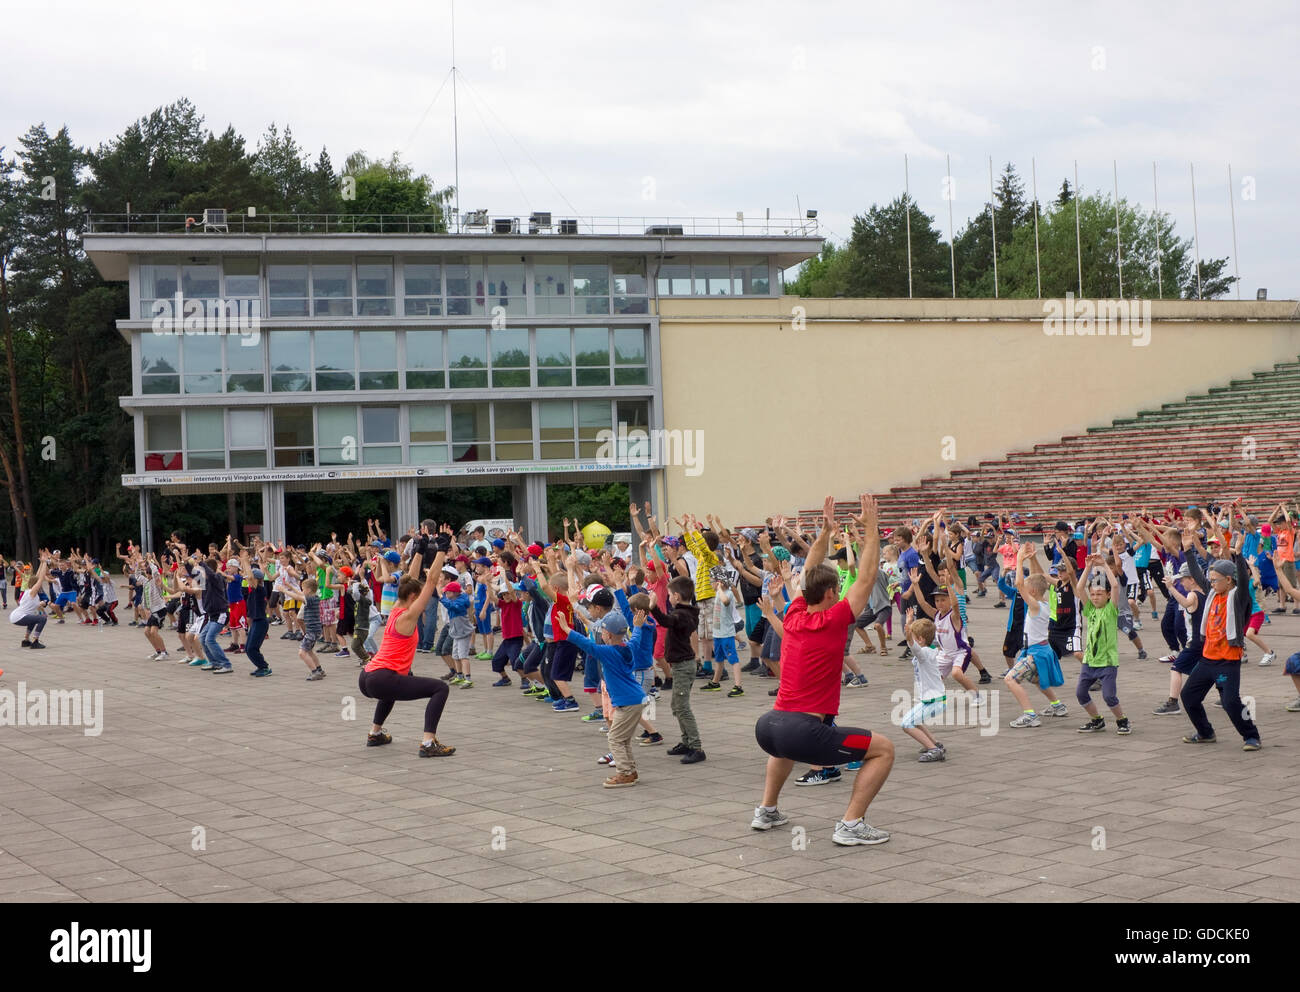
(494, 528)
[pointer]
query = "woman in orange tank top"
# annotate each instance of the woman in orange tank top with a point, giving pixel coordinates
(387, 678)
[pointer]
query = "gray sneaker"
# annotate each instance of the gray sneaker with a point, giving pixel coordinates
(1058, 708)
(933, 754)
(1171, 706)
(1293, 706)
(767, 819)
(860, 833)
(1027, 720)
(1268, 659)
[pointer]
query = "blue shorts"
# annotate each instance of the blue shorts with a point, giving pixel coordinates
(724, 650)
(484, 626)
(64, 599)
(922, 711)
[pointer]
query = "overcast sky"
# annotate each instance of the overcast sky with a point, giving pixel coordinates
(706, 108)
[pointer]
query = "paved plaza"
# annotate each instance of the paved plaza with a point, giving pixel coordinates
(234, 789)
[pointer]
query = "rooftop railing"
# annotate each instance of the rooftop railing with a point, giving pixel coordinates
(242, 223)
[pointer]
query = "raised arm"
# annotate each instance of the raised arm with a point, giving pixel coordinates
(817, 553)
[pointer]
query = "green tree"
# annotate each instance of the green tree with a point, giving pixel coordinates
(392, 187)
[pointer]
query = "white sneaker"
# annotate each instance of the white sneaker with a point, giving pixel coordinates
(162, 656)
(1268, 658)
(766, 820)
(1027, 720)
(861, 832)
(1056, 709)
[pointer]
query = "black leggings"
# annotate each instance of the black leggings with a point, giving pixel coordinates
(804, 738)
(386, 686)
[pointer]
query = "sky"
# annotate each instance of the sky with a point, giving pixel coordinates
(706, 108)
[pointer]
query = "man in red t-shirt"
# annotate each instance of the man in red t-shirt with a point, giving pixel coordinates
(801, 725)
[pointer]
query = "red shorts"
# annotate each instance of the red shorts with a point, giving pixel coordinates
(1255, 622)
(238, 615)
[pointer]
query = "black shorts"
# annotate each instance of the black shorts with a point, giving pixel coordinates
(1013, 642)
(1188, 659)
(760, 631)
(563, 661)
(156, 619)
(507, 653)
(1064, 642)
(183, 619)
(804, 738)
(274, 600)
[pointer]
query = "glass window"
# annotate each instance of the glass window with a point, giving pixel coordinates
(331, 289)
(749, 275)
(630, 367)
(378, 359)
(158, 281)
(375, 287)
(555, 419)
(459, 286)
(162, 442)
(160, 363)
(336, 360)
(467, 357)
(379, 434)
(247, 428)
(675, 276)
(470, 431)
(424, 368)
(591, 286)
(337, 426)
(554, 357)
(428, 433)
(242, 277)
(551, 284)
(293, 436)
(286, 286)
(202, 356)
(634, 416)
(205, 439)
(712, 279)
(514, 431)
(247, 431)
(629, 284)
(510, 356)
(591, 355)
(593, 417)
(290, 361)
(505, 284)
(422, 279)
(201, 280)
(245, 364)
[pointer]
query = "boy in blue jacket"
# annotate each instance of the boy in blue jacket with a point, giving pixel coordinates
(625, 691)
(457, 604)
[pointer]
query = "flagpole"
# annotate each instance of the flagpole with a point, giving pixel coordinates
(1078, 239)
(1232, 207)
(1196, 231)
(1038, 271)
(1119, 248)
(907, 207)
(952, 252)
(1155, 187)
(994, 224)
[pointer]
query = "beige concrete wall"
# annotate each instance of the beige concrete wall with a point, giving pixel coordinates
(860, 406)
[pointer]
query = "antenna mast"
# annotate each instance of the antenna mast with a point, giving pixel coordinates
(455, 116)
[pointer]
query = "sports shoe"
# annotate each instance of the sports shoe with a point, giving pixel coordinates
(500, 682)
(484, 656)
(857, 682)
(207, 666)
(379, 739)
(1293, 706)
(649, 740)
(932, 754)
(342, 653)
(260, 673)
(668, 685)
(772, 692)
(565, 706)
(1027, 720)
(1167, 659)
(37, 646)
(711, 687)
(679, 749)
(853, 766)
(735, 691)
(1197, 739)
(436, 749)
(906, 655)
(766, 819)
(1058, 708)
(1142, 656)
(1000, 606)
(222, 669)
(693, 757)
(605, 759)
(985, 678)
(1094, 726)
(1155, 615)
(1250, 744)
(1123, 726)
(456, 680)
(24, 643)
(861, 832)
(1268, 659)
(467, 683)
(450, 676)
(316, 675)
(1168, 707)
(620, 781)
(753, 666)
(819, 776)
(595, 716)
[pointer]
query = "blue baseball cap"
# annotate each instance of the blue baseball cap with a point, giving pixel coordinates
(393, 557)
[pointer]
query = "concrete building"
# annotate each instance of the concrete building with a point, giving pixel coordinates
(272, 357)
